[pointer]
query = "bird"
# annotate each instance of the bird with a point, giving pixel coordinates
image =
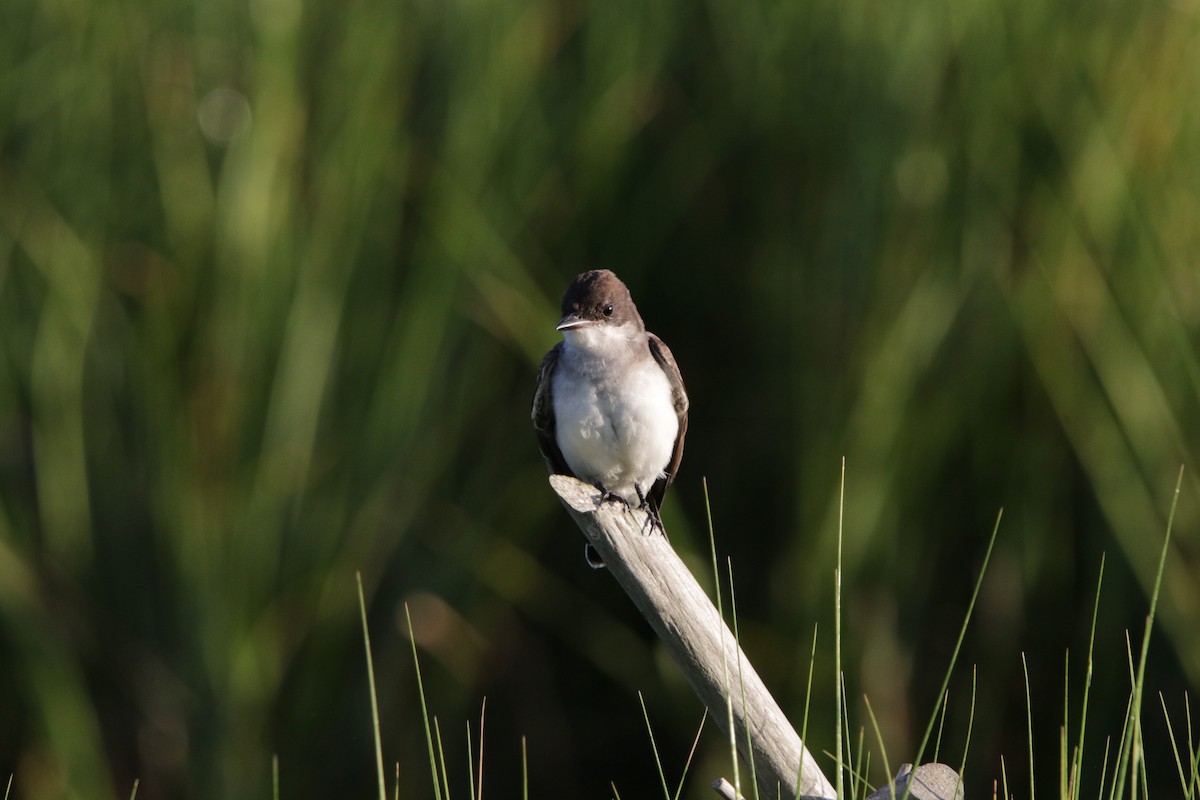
(610, 407)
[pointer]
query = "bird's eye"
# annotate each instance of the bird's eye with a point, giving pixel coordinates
(608, 310)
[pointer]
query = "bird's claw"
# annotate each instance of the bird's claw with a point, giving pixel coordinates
(611, 497)
(653, 520)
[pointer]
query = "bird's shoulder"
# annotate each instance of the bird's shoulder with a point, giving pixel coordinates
(543, 395)
(543, 413)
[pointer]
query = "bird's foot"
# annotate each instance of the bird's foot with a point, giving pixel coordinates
(653, 520)
(611, 497)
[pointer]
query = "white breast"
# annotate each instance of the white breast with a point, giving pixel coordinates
(615, 428)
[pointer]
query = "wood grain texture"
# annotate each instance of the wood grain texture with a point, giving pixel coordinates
(927, 782)
(687, 622)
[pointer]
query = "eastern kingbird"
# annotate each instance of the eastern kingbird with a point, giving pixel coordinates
(610, 407)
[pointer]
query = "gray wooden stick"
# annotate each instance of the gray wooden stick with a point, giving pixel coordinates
(664, 591)
(726, 790)
(926, 782)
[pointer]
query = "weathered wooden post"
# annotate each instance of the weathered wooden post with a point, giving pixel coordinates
(688, 624)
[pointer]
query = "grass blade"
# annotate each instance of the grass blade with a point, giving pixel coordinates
(962, 633)
(1104, 767)
(1132, 752)
(847, 749)
(937, 742)
(524, 769)
(1193, 752)
(1063, 732)
(437, 732)
(691, 754)
(1124, 727)
(362, 610)
(741, 679)
(654, 746)
(470, 762)
(887, 766)
(1183, 781)
(1029, 721)
(1077, 765)
(962, 768)
(812, 660)
(859, 775)
(839, 698)
(437, 789)
(479, 778)
(712, 545)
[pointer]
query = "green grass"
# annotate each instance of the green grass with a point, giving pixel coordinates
(839, 678)
(362, 609)
(1129, 765)
(667, 794)
(1129, 758)
(730, 728)
(1189, 772)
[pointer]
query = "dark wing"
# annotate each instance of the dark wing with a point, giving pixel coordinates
(543, 423)
(543, 415)
(662, 354)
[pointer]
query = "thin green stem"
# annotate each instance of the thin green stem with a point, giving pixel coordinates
(524, 769)
(887, 766)
(962, 767)
(740, 676)
(1028, 721)
(437, 733)
(654, 747)
(479, 777)
(837, 631)
(437, 789)
(1183, 781)
(1077, 767)
(470, 762)
(712, 545)
(1132, 752)
(362, 610)
(691, 754)
(962, 633)
(812, 660)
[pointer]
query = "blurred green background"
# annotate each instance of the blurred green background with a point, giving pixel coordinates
(274, 282)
